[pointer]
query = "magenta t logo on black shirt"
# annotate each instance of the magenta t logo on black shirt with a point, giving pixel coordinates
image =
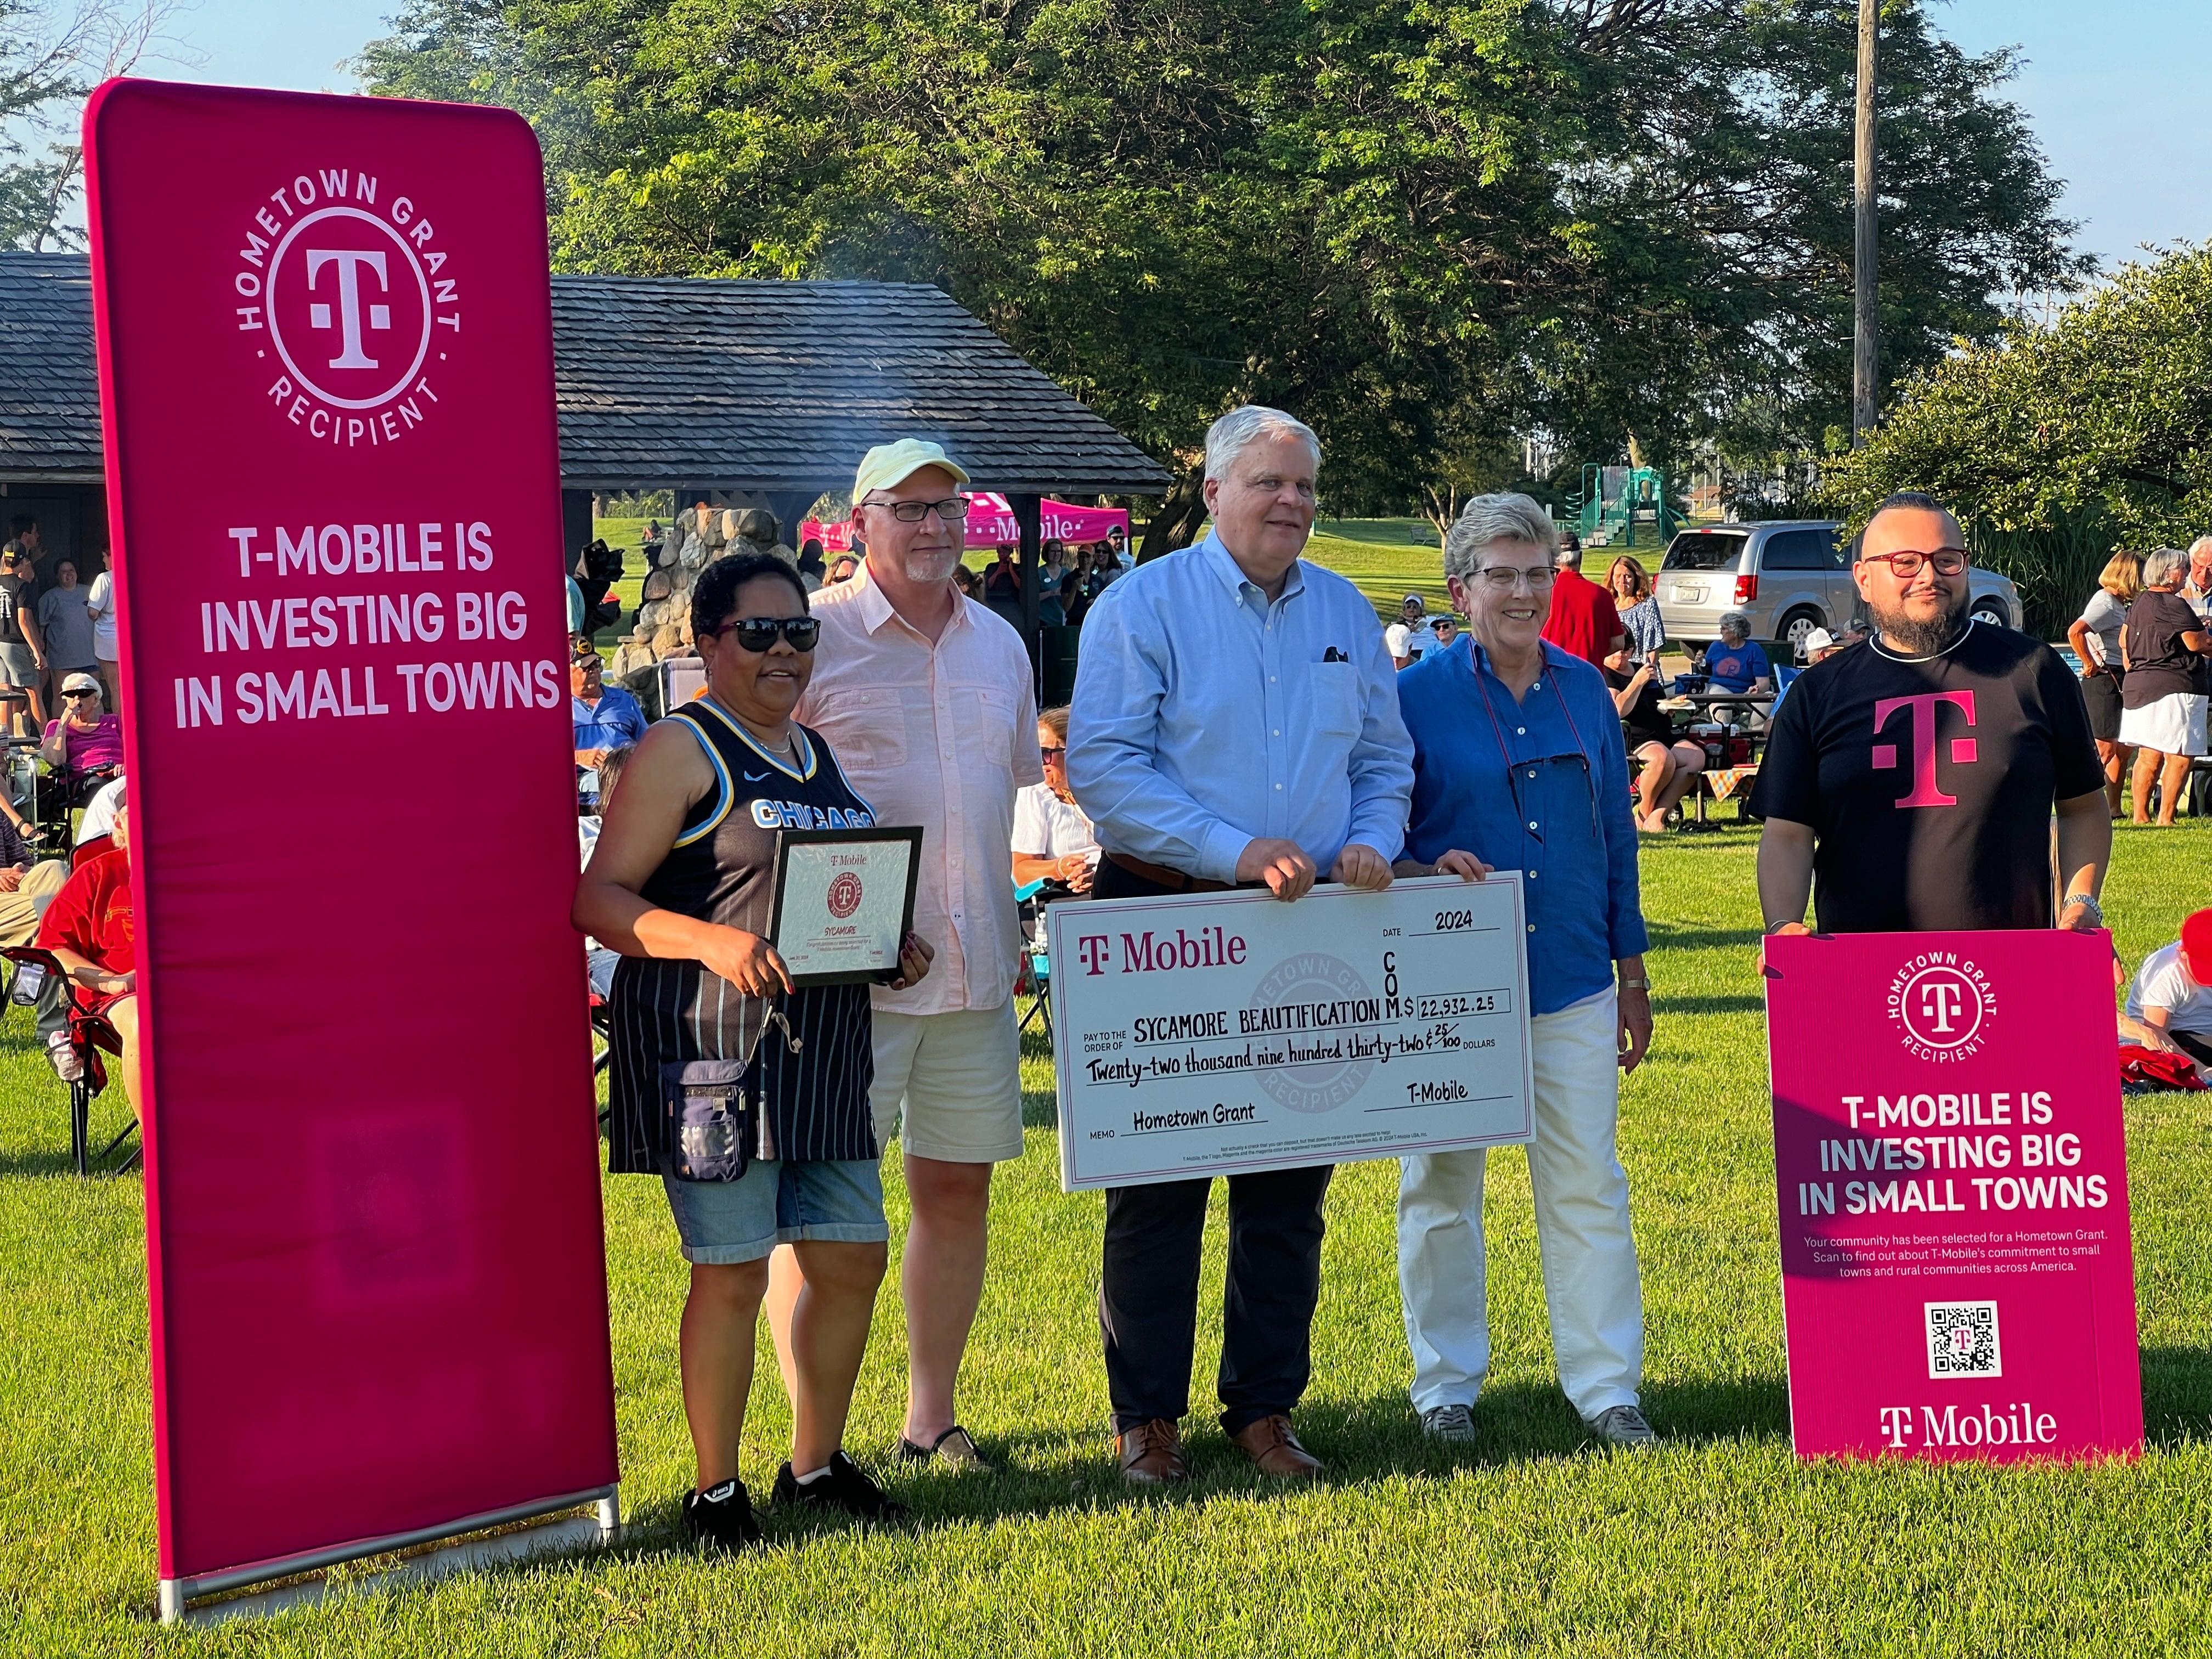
(1926, 792)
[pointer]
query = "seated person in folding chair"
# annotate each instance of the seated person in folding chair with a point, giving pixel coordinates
(1052, 838)
(90, 930)
(85, 745)
(26, 886)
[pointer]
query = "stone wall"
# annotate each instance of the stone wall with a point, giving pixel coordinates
(695, 540)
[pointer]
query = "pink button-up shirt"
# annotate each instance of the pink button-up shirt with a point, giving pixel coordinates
(940, 735)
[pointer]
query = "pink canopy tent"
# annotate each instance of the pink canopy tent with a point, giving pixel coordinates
(991, 520)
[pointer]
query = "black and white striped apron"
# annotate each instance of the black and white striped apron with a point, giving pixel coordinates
(722, 870)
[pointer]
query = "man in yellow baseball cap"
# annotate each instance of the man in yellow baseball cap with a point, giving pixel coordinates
(926, 698)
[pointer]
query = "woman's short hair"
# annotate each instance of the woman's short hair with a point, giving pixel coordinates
(2162, 565)
(1500, 517)
(1639, 584)
(1055, 720)
(1235, 432)
(1736, 622)
(715, 600)
(2122, 576)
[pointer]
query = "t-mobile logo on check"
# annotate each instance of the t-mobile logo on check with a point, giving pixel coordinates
(1926, 792)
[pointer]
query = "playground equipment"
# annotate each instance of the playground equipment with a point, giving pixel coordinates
(1615, 501)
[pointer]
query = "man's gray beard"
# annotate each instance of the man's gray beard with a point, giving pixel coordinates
(1913, 638)
(923, 568)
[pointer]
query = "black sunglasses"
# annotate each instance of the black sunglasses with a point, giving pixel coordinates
(758, 633)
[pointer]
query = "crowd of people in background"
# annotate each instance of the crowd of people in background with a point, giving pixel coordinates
(2144, 645)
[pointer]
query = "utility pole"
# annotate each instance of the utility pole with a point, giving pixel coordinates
(1866, 351)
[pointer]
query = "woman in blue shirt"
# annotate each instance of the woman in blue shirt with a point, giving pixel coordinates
(1518, 765)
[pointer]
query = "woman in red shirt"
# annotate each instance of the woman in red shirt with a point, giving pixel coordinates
(90, 929)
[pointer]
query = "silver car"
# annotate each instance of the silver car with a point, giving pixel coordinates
(1789, 577)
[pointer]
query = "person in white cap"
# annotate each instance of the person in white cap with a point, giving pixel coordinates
(927, 699)
(1820, 646)
(1409, 636)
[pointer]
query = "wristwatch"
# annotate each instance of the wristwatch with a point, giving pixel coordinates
(2096, 910)
(1635, 985)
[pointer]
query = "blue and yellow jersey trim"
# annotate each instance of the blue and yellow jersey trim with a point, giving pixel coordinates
(725, 792)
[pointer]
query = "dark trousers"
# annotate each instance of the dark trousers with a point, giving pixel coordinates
(1148, 1297)
(1148, 1300)
(2196, 1047)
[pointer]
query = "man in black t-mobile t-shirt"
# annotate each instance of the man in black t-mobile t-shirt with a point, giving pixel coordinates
(1910, 780)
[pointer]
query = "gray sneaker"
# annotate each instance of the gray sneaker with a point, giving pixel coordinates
(1624, 1426)
(1454, 1423)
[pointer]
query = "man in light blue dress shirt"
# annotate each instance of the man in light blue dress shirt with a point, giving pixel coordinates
(1234, 723)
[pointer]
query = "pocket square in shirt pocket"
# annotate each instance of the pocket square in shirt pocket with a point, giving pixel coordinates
(1336, 699)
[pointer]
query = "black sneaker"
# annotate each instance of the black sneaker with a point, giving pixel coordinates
(722, 1515)
(844, 1489)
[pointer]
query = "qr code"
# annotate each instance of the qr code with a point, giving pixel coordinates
(1962, 1339)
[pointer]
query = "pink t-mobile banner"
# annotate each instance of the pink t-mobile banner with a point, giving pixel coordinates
(377, 1286)
(1957, 1279)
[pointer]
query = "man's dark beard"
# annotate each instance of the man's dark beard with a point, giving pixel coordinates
(1912, 638)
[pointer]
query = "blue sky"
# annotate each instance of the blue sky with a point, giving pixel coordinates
(2112, 89)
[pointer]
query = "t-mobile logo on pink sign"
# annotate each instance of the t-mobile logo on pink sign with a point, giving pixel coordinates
(346, 306)
(1926, 792)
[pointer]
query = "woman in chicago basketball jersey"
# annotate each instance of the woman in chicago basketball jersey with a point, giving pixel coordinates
(680, 883)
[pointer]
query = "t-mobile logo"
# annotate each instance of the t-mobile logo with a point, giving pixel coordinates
(348, 262)
(1940, 1001)
(1925, 791)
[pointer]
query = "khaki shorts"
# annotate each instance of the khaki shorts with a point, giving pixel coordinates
(950, 1082)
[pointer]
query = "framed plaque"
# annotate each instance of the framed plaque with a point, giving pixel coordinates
(843, 900)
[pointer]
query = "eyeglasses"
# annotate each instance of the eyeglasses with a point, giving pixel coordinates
(953, 509)
(1947, 560)
(1052, 754)
(1505, 577)
(71, 696)
(758, 633)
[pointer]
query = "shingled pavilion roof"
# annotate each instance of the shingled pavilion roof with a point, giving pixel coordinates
(49, 380)
(743, 385)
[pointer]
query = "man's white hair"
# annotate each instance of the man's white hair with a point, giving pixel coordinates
(1229, 436)
(2163, 565)
(2199, 548)
(1500, 517)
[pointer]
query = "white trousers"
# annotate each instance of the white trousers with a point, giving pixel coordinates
(1590, 1284)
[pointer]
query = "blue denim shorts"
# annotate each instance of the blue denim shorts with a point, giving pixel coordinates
(778, 1202)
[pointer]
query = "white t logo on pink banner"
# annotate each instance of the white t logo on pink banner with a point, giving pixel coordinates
(1957, 1276)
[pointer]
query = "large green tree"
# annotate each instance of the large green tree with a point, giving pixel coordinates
(1422, 226)
(50, 55)
(2057, 444)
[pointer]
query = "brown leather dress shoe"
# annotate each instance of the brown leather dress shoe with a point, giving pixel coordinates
(1151, 1455)
(1270, 1444)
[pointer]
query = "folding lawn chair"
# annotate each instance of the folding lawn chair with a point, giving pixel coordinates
(90, 1037)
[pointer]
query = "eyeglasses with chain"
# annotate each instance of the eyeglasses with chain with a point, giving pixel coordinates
(953, 509)
(1908, 562)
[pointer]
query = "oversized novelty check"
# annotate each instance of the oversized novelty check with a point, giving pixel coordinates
(1211, 1034)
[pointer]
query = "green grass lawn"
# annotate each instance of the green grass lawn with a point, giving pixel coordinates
(1533, 1542)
